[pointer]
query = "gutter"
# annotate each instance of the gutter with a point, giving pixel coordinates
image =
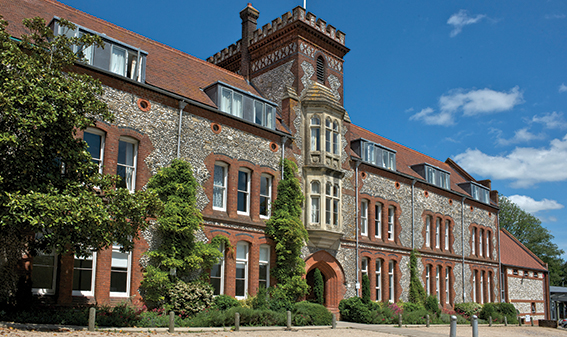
(284, 139)
(182, 105)
(357, 228)
(412, 212)
(501, 276)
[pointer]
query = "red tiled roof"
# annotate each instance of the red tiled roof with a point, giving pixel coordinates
(406, 157)
(514, 253)
(167, 68)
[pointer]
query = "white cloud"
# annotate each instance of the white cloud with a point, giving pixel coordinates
(520, 136)
(555, 16)
(428, 116)
(471, 103)
(553, 120)
(461, 19)
(525, 166)
(482, 101)
(562, 87)
(529, 205)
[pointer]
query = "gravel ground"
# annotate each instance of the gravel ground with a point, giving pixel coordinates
(343, 331)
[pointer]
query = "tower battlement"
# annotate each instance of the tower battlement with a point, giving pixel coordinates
(297, 15)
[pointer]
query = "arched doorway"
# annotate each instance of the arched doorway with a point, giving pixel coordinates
(333, 276)
(310, 277)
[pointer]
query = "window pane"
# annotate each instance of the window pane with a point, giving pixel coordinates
(259, 112)
(264, 185)
(315, 188)
(219, 175)
(94, 143)
(240, 272)
(242, 252)
(335, 143)
(315, 139)
(315, 121)
(269, 117)
(263, 272)
(264, 254)
(240, 288)
(126, 153)
(226, 101)
(216, 283)
(328, 140)
(118, 61)
(315, 209)
(118, 281)
(242, 191)
(237, 105)
(42, 272)
(328, 211)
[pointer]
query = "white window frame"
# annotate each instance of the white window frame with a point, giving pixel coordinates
(364, 266)
(437, 282)
(364, 217)
(134, 159)
(91, 292)
(480, 248)
(245, 263)
(315, 136)
(447, 229)
(102, 135)
(447, 286)
(473, 244)
(391, 280)
(221, 265)
(223, 187)
(475, 299)
(488, 290)
(336, 138)
(437, 233)
(328, 135)
(378, 276)
(391, 217)
(46, 291)
(336, 204)
(265, 262)
(246, 192)
(268, 196)
(487, 234)
(428, 231)
(116, 248)
(378, 220)
(315, 200)
(428, 280)
(125, 65)
(481, 287)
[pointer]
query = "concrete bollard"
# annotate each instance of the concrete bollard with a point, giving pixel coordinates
(489, 320)
(237, 321)
(334, 324)
(92, 319)
(474, 322)
(453, 331)
(519, 321)
(532, 320)
(400, 320)
(427, 320)
(171, 322)
(505, 320)
(289, 319)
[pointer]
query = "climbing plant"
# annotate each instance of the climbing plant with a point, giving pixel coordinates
(179, 256)
(286, 229)
(416, 293)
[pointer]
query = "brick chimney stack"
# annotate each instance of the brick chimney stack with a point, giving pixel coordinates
(249, 15)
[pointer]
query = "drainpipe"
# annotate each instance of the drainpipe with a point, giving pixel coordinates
(284, 139)
(463, 243)
(357, 228)
(499, 260)
(182, 105)
(412, 213)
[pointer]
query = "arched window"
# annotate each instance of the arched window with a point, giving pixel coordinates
(480, 242)
(378, 220)
(241, 277)
(315, 134)
(428, 280)
(378, 274)
(428, 231)
(391, 280)
(447, 283)
(315, 202)
(437, 233)
(320, 69)
(364, 217)
(447, 226)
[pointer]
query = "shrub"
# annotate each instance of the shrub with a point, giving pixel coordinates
(118, 316)
(260, 301)
(488, 310)
(188, 299)
(415, 317)
(417, 294)
(410, 307)
(224, 302)
(365, 289)
(432, 304)
(468, 309)
(306, 313)
(354, 310)
(318, 287)
(279, 301)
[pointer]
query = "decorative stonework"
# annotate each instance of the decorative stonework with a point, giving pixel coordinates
(274, 56)
(307, 49)
(272, 84)
(308, 72)
(335, 84)
(334, 63)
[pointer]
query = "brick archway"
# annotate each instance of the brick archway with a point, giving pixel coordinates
(333, 275)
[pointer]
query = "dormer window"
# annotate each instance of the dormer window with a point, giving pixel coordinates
(243, 105)
(477, 191)
(434, 175)
(116, 57)
(375, 154)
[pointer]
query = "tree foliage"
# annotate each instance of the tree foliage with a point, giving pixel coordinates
(529, 231)
(179, 249)
(417, 294)
(318, 287)
(286, 229)
(48, 183)
(365, 288)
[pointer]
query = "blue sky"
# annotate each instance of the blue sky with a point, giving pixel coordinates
(482, 82)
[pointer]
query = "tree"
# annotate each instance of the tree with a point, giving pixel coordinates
(286, 229)
(53, 198)
(179, 253)
(417, 294)
(365, 289)
(529, 231)
(318, 287)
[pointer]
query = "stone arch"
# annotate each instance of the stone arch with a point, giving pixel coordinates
(333, 275)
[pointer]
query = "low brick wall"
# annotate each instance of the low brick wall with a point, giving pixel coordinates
(547, 323)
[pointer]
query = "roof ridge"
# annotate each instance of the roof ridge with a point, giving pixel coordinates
(139, 36)
(505, 231)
